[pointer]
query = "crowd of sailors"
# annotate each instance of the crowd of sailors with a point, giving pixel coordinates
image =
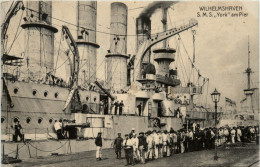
(152, 145)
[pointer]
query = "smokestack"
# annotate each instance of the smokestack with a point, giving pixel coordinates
(39, 36)
(117, 58)
(86, 41)
(143, 32)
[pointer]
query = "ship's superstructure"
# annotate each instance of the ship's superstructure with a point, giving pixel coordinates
(153, 97)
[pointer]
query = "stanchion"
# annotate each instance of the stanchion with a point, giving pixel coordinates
(3, 153)
(29, 150)
(69, 147)
(17, 154)
(35, 143)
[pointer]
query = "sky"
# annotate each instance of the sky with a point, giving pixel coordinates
(221, 43)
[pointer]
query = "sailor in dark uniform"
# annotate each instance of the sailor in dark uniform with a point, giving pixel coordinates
(17, 131)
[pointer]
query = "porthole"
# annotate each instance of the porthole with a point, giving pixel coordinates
(50, 120)
(87, 98)
(2, 119)
(39, 120)
(16, 119)
(15, 90)
(28, 120)
(34, 92)
(56, 95)
(45, 94)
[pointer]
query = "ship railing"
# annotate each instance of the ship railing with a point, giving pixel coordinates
(31, 133)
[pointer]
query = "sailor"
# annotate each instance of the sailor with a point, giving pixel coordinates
(169, 144)
(191, 140)
(212, 139)
(233, 134)
(98, 142)
(140, 109)
(150, 145)
(121, 105)
(128, 146)
(239, 134)
(252, 132)
(17, 131)
(220, 134)
(57, 127)
(65, 132)
(160, 144)
(135, 143)
(111, 107)
(175, 140)
(142, 146)
(257, 134)
(132, 131)
(101, 107)
(194, 125)
(201, 138)
(226, 133)
(165, 143)
(182, 140)
(156, 144)
(116, 107)
(118, 146)
(208, 137)
(178, 146)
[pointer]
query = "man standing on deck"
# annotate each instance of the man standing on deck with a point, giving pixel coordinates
(140, 109)
(98, 142)
(57, 127)
(116, 107)
(17, 132)
(118, 146)
(121, 105)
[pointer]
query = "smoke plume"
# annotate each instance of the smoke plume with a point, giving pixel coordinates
(150, 9)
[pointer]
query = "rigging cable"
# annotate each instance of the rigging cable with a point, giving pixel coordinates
(58, 55)
(15, 36)
(182, 63)
(133, 35)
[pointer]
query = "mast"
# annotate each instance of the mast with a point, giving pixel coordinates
(249, 92)
(248, 70)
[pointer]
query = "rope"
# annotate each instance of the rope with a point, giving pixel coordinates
(16, 150)
(58, 54)
(133, 35)
(15, 36)
(49, 150)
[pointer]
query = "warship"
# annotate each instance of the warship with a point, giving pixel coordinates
(247, 113)
(151, 92)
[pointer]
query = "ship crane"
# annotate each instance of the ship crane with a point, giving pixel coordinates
(147, 44)
(11, 12)
(75, 67)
